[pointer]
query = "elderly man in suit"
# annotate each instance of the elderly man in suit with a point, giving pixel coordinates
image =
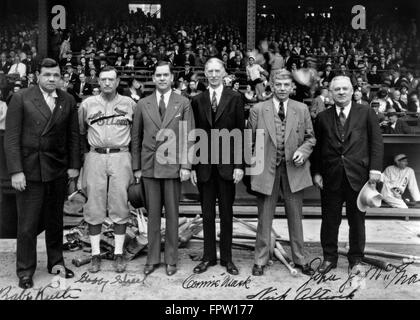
(218, 109)
(161, 124)
(287, 146)
(43, 150)
(348, 153)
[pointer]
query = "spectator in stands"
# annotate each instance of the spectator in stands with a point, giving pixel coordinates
(263, 89)
(65, 47)
(192, 90)
(200, 85)
(200, 59)
(4, 63)
(119, 62)
(73, 78)
(358, 97)
(413, 104)
(404, 93)
(395, 125)
(397, 103)
(131, 62)
(373, 77)
(18, 67)
(250, 95)
(318, 104)
(413, 83)
(382, 96)
(236, 85)
(328, 74)
(67, 59)
(396, 179)
(254, 71)
(82, 88)
(276, 60)
(396, 79)
(92, 79)
(134, 90)
(96, 90)
(381, 116)
(31, 80)
(187, 73)
(3, 110)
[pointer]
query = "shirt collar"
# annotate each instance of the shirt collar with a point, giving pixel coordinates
(46, 94)
(277, 102)
(346, 107)
(166, 96)
(218, 90)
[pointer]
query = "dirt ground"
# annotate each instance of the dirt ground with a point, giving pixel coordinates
(399, 282)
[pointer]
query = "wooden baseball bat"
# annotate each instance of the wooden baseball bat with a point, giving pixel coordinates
(284, 254)
(388, 254)
(384, 265)
(416, 261)
(279, 256)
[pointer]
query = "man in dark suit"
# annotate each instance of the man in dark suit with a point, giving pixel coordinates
(348, 153)
(4, 63)
(157, 115)
(82, 88)
(218, 108)
(42, 140)
(397, 103)
(395, 125)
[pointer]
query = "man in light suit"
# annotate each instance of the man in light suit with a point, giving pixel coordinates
(287, 146)
(218, 108)
(348, 153)
(161, 120)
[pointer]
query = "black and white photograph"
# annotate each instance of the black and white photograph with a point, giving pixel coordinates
(211, 156)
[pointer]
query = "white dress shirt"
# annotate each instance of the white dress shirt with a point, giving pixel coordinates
(166, 97)
(277, 105)
(346, 110)
(218, 91)
(49, 98)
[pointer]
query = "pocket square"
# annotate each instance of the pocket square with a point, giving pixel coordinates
(178, 115)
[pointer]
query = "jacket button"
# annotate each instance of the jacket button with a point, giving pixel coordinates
(342, 156)
(153, 137)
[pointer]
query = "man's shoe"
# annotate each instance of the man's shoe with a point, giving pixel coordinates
(95, 264)
(356, 268)
(171, 269)
(306, 269)
(326, 266)
(230, 267)
(26, 282)
(203, 265)
(119, 263)
(257, 270)
(149, 268)
(68, 273)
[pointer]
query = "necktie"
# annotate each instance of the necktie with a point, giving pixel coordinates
(281, 111)
(162, 107)
(214, 102)
(342, 116)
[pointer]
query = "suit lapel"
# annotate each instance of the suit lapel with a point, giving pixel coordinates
(351, 121)
(290, 119)
(152, 109)
(268, 116)
(222, 104)
(57, 113)
(207, 106)
(40, 103)
(171, 109)
(332, 113)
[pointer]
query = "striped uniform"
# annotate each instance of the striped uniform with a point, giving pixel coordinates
(106, 176)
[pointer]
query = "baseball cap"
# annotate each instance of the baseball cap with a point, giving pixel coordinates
(400, 157)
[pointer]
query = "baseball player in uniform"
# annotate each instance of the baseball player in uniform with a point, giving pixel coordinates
(105, 120)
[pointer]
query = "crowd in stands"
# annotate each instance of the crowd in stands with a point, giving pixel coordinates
(382, 61)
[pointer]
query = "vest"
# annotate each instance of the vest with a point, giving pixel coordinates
(280, 131)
